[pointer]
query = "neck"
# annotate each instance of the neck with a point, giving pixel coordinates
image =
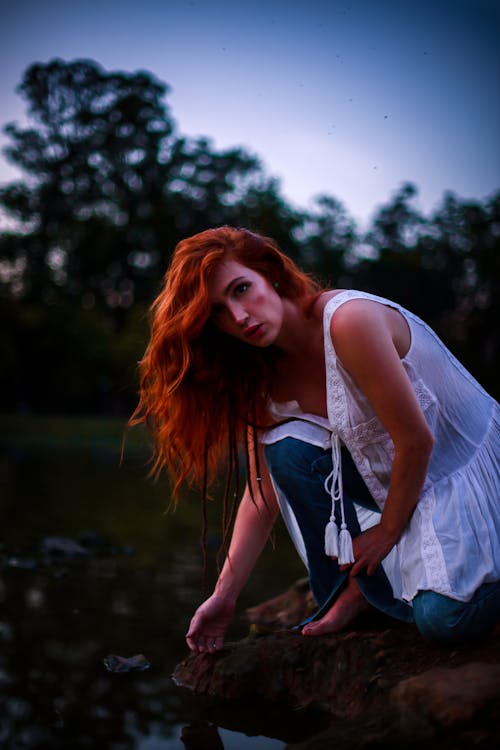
(298, 332)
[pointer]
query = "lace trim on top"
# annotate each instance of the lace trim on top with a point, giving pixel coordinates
(372, 431)
(336, 544)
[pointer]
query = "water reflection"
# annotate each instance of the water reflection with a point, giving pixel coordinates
(62, 613)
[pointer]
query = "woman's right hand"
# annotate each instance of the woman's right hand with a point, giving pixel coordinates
(254, 520)
(209, 624)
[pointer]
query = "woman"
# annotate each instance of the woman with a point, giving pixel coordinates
(377, 446)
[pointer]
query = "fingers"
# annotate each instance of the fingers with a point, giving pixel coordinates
(207, 643)
(218, 642)
(356, 567)
(192, 643)
(210, 644)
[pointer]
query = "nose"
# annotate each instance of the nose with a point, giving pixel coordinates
(237, 312)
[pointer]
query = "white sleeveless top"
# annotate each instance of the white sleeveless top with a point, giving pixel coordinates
(451, 544)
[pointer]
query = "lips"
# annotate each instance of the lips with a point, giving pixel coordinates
(252, 331)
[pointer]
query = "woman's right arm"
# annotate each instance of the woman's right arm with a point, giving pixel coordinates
(254, 522)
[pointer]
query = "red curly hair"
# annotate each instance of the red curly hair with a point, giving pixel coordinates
(200, 389)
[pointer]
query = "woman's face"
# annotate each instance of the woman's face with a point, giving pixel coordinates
(244, 304)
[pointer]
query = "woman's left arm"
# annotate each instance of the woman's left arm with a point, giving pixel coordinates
(364, 334)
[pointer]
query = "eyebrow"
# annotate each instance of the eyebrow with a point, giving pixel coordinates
(233, 281)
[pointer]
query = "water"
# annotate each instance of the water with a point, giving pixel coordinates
(133, 594)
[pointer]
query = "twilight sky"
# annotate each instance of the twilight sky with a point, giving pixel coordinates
(346, 98)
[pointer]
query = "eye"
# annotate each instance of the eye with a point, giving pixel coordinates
(241, 288)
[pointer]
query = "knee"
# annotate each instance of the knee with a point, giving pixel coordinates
(440, 618)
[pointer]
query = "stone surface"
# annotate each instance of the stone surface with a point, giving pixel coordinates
(285, 610)
(450, 696)
(377, 685)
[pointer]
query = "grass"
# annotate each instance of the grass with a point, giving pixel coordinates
(70, 431)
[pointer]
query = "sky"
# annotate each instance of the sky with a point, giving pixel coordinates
(349, 99)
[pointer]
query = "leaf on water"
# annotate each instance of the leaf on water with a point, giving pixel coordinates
(122, 664)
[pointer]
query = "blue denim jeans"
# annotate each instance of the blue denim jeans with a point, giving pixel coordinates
(299, 470)
(440, 618)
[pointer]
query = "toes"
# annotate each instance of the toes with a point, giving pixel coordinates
(325, 626)
(309, 630)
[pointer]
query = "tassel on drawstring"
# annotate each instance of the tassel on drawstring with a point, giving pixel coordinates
(346, 554)
(337, 544)
(331, 539)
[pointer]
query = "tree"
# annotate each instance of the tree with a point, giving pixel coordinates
(391, 259)
(328, 237)
(94, 165)
(111, 187)
(464, 249)
(445, 268)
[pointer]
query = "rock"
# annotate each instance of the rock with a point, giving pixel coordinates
(61, 546)
(122, 664)
(379, 684)
(285, 610)
(450, 696)
(23, 563)
(201, 737)
(286, 669)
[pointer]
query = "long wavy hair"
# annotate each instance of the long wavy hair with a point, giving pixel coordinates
(202, 392)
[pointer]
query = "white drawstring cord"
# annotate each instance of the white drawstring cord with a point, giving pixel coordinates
(337, 544)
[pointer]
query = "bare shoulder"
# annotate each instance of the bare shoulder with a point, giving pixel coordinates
(364, 322)
(320, 303)
(355, 308)
(359, 312)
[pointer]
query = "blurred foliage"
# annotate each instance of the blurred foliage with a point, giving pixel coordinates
(446, 268)
(110, 187)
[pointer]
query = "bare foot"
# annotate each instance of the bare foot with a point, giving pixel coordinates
(349, 604)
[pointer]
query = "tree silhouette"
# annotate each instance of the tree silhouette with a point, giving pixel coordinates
(94, 164)
(445, 268)
(395, 266)
(111, 187)
(329, 239)
(464, 249)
